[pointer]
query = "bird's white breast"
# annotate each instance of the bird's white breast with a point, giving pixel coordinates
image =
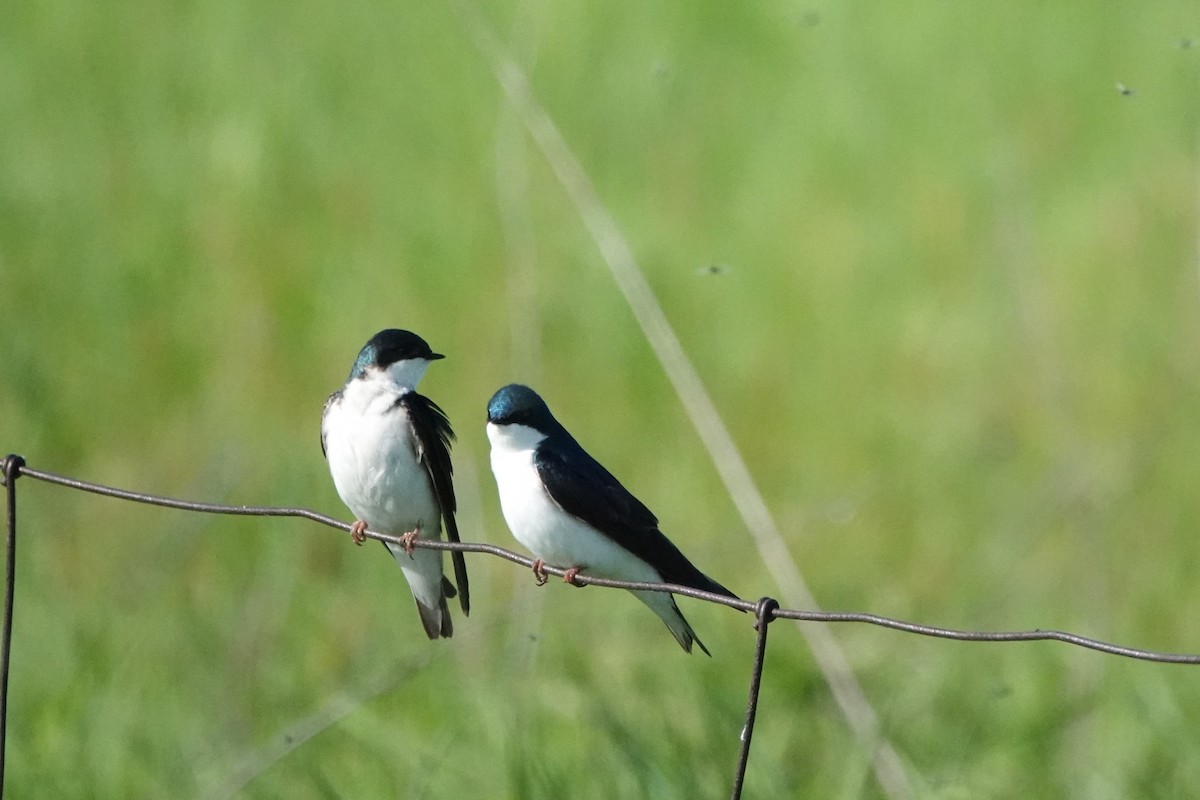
(373, 459)
(540, 524)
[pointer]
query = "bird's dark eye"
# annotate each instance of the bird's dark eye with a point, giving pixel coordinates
(392, 355)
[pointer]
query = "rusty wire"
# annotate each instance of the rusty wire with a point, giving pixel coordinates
(765, 610)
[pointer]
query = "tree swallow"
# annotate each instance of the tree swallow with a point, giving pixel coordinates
(573, 514)
(388, 450)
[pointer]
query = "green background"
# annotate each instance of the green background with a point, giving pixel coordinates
(954, 333)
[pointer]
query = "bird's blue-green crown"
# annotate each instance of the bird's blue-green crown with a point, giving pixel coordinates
(389, 346)
(520, 405)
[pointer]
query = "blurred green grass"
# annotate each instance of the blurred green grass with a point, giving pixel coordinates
(957, 342)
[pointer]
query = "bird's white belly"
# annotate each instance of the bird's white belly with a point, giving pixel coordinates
(375, 469)
(552, 534)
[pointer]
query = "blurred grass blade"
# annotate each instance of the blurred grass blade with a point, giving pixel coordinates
(622, 263)
(512, 201)
(284, 743)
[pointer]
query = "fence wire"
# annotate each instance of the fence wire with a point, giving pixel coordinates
(765, 610)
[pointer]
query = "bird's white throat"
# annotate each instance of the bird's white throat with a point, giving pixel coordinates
(405, 374)
(376, 390)
(513, 438)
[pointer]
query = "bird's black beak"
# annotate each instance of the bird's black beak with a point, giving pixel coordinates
(434, 356)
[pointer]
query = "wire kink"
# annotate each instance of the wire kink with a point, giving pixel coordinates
(764, 613)
(765, 609)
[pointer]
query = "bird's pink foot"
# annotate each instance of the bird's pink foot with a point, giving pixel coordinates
(569, 576)
(357, 531)
(408, 541)
(539, 572)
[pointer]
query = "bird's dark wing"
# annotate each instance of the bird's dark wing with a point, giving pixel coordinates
(589, 492)
(333, 398)
(433, 435)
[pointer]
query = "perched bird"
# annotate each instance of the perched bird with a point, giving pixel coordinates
(573, 514)
(388, 449)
